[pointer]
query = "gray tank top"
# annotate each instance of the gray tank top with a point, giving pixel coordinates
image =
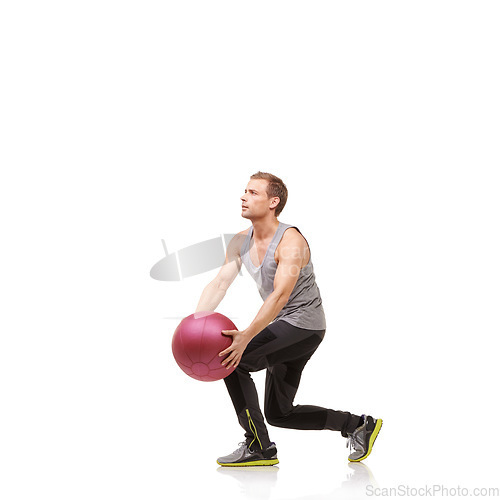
(304, 308)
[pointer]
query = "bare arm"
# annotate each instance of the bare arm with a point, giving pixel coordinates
(215, 291)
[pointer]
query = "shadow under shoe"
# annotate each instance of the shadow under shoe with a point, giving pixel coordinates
(246, 456)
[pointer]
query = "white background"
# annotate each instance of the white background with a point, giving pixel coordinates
(124, 123)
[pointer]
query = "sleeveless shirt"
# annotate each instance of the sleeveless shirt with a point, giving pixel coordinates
(304, 308)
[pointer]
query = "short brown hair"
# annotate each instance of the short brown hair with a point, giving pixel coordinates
(276, 187)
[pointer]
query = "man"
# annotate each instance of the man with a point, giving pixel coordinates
(277, 256)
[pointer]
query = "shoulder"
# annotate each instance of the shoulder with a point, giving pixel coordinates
(237, 241)
(292, 244)
(292, 236)
(241, 235)
(293, 248)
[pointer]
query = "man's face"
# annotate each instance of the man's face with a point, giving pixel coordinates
(255, 203)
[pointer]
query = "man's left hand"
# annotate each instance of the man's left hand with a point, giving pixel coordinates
(235, 351)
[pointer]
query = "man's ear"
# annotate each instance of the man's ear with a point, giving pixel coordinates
(275, 202)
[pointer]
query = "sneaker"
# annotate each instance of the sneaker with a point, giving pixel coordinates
(245, 456)
(363, 437)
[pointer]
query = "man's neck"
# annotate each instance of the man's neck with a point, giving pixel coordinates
(265, 229)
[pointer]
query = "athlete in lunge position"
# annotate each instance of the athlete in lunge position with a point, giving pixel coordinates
(283, 336)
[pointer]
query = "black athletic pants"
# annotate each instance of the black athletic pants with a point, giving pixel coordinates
(284, 350)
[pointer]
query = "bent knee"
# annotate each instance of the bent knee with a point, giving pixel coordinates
(277, 419)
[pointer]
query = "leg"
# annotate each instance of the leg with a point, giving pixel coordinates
(245, 400)
(243, 393)
(284, 349)
(282, 381)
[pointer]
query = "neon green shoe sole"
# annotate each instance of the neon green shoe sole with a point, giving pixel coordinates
(249, 464)
(373, 436)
